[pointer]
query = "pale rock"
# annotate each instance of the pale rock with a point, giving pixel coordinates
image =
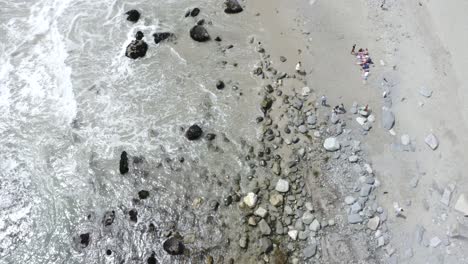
(282, 186)
(405, 140)
(315, 226)
(380, 241)
(435, 242)
(462, 205)
(361, 120)
(426, 92)
(353, 158)
(331, 144)
(264, 227)
(306, 91)
(250, 200)
(432, 141)
(262, 212)
(307, 218)
(349, 200)
(373, 223)
(446, 196)
(309, 206)
(276, 199)
(371, 118)
(293, 234)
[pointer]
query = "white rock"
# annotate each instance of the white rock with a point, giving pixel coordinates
(373, 223)
(309, 206)
(353, 158)
(282, 186)
(426, 92)
(380, 241)
(371, 118)
(349, 200)
(446, 197)
(361, 120)
(432, 141)
(293, 234)
(435, 242)
(378, 234)
(250, 200)
(462, 205)
(382, 62)
(405, 140)
(315, 226)
(368, 168)
(331, 144)
(305, 91)
(262, 212)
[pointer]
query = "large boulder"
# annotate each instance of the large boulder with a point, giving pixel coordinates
(173, 246)
(331, 144)
(123, 167)
(136, 49)
(194, 132)
(388, 119)
(133, 15)
(232, 7)
(160, 36)
(199, 33)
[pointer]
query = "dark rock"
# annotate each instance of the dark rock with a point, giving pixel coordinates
(139, 35)
(143, 194)
(220, 85)
(85, 239)
(269, 88)
(152, 259)
(108, 252)
(232, 7)
(201, 22)
(136, 49)
(123, 163)
(194, 132)
(133, 15)
(151, 228)
(173, 246)
(160, 36)
(266, 104)
(210, 136)
(133, 215)
(199, 33)
(218, 39)
(266, 245)
(108, 218)
(195, 12)
(259, 119)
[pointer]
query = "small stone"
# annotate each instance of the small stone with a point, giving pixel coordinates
(220, 85)
(262, 212)
(232, 7)
(331, 222)
(264, 227)
(371, 118)
(426, 92)
(250, 200)
(306, 91)
(123, 167)
(353, 158)
(446, 197)
(315, 226)
(311, 120)
(143, 194)
(435, 242)
(276, 199)
(307, 218)
(462, 205)
(432, 141)
(266, 245)
(405, 140)
(283, 59)
(373, 223)
(173, 246)
(349, 200)
(356, 208)
(243, 242)
(331, 144)
(199, 33)
(354, 219)
(310, 251)
(302, 129)
(252, 221)
(282, 186)
(365, 190)
(293, 234)
(309, 206)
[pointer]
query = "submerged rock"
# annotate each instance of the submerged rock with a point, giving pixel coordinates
(195, 12)
(194, 132)
(143, 194)
(123, 163)
(173, 246)
(160, 36)
(199, 33)
(139, 35)
(232, 7)
(133, 215)
(136, 49)
(133, 15)
(152, 259)
(85, 239)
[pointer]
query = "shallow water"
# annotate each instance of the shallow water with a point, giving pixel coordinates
(71, 102)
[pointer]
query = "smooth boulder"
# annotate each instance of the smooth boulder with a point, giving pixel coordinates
(194, 132)
(173, 246)
(160, 36)
(232, 7)
(136, 49)
(331, 144)
(199, 33)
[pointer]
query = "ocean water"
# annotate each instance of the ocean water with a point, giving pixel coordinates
(71, 102)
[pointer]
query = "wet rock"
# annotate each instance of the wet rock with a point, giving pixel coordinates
(232, 7)
(108, 218)
(139, 35)
(199, 33)
(133, 215)
(194, 132)
(133, 15)
(266, 245)
(85, 239)
(152, 259)
(219, 85)
(282, 186)
(173, 246)
(123, 163)
(426, 92)
(432, 141)
(143, 194)
(388, 119)
(160, 36)
(136, 49)
(331, 144)
(264, 227)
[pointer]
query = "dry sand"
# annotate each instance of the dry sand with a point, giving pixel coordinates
(421, 44)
